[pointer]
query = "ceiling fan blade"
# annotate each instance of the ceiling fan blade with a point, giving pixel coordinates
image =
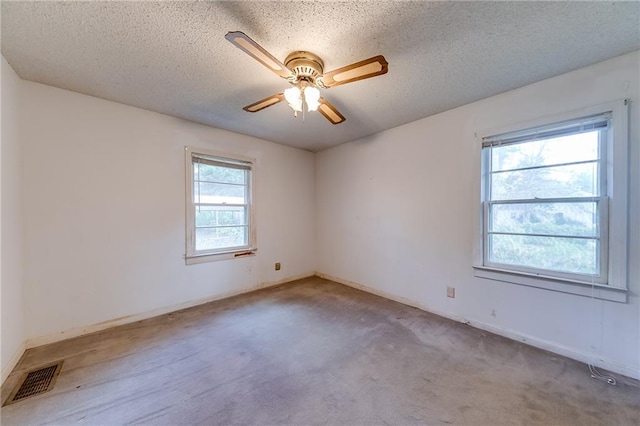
(266, 102)
(250, 47)
(359, 71)
(330, 112)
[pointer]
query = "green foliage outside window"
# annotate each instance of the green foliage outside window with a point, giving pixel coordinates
(554, 223)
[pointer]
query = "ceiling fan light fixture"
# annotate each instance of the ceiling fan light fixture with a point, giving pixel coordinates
(292, 95)
(312, 98)
(300, 95)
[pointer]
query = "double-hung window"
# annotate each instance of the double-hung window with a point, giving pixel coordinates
(219, 206)
(554, 199)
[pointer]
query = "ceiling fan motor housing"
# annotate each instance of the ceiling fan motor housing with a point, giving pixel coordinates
(305, 66)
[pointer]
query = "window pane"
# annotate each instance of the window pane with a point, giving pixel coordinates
(576, 219)
(207, 173)
(556, 254)
(219, 238)
(219, 193)
(567, 149)
(220, 216)
(577, 180)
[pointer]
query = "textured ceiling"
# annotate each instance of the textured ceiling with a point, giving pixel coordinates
(172, 57)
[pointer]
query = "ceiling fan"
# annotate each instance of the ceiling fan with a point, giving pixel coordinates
(305, 72)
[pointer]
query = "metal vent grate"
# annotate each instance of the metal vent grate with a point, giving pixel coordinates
(35, 382)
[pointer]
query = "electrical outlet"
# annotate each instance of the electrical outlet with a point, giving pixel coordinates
(277, 266)
(451, 292)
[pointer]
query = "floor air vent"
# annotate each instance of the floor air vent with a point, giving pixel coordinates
(35, 382)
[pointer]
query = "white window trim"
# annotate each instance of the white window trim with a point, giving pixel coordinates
(192, 257)
(617, 158)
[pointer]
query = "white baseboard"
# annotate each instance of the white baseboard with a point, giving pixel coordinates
(598, 361)
(80, 331)
(8, 367)
(601, 362)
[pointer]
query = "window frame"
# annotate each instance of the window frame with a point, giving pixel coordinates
(193, 256)
(601, 201)
(613, 205)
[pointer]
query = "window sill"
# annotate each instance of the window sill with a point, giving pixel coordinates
(598, 291)
(214, 257)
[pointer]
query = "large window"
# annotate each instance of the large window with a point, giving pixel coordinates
(550, 196)
(219, 208)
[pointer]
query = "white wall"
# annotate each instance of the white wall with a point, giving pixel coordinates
(11, 241)
(396, 213)
(104, 188)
